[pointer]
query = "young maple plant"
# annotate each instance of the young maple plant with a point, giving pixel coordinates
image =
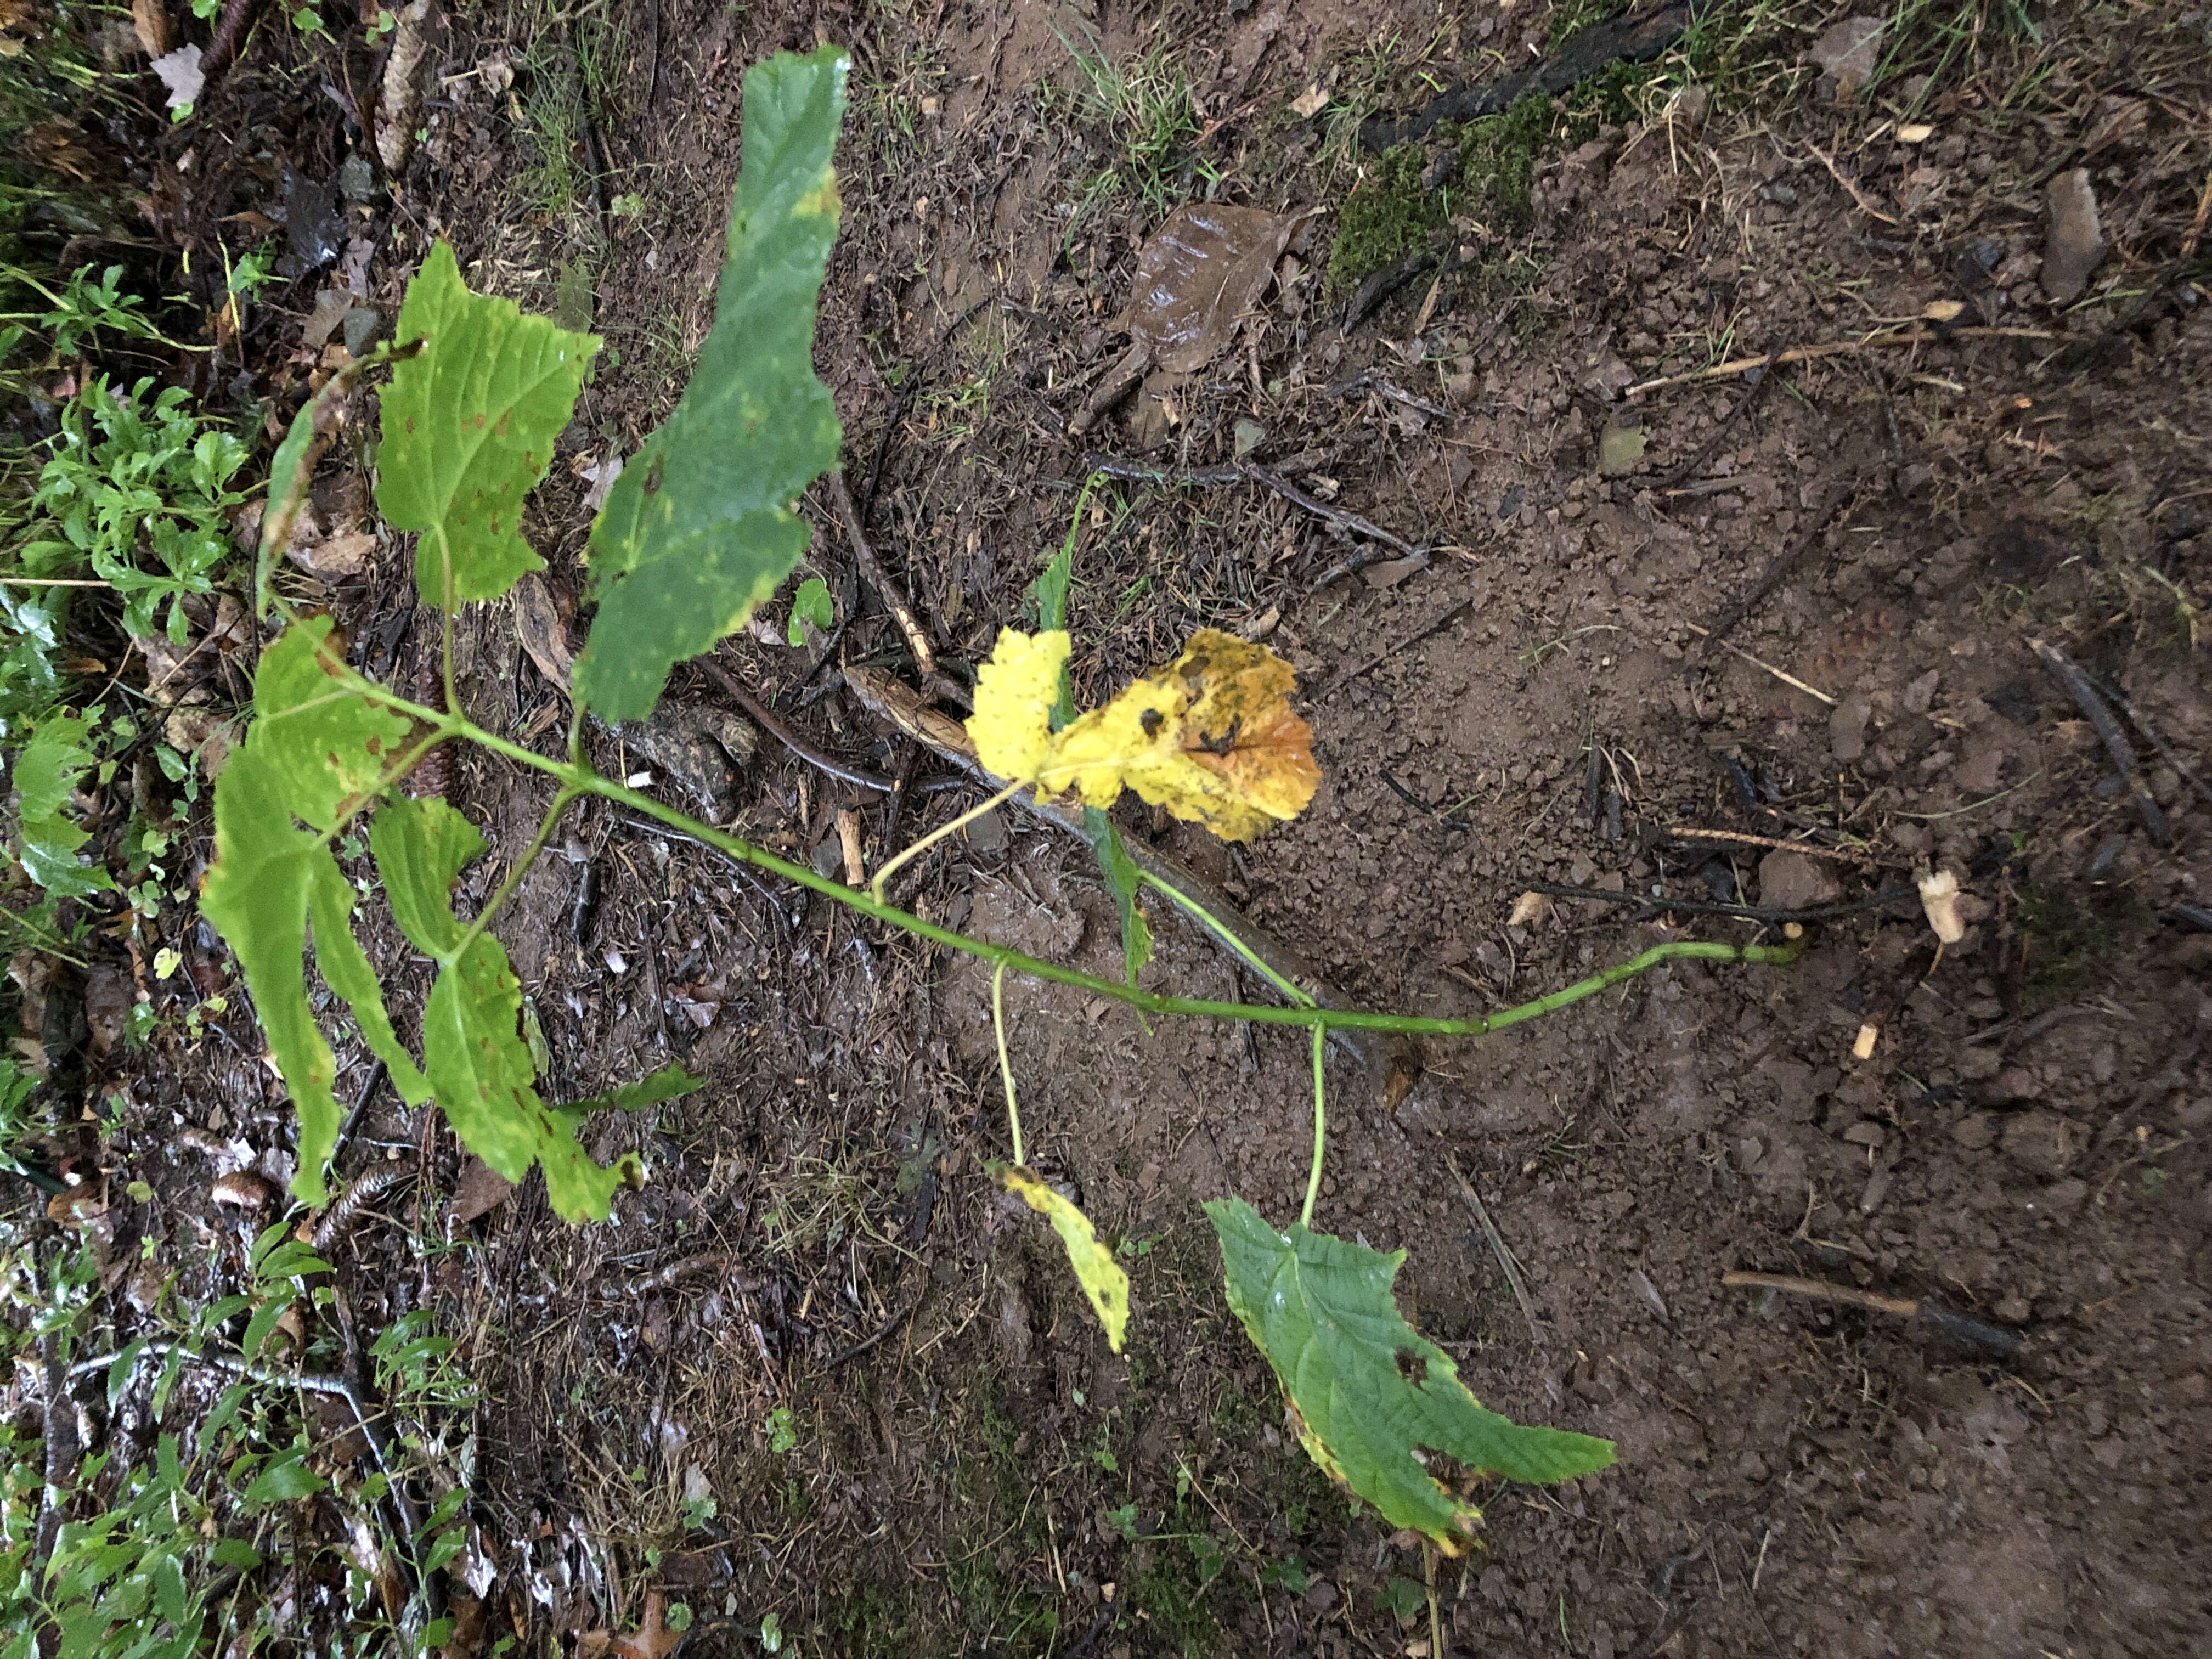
(701, 527)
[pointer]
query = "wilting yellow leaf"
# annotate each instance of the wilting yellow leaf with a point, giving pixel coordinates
(1014, 693)
(1211, 738)
(1104, 1282)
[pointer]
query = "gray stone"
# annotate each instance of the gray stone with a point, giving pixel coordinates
(1791, 881)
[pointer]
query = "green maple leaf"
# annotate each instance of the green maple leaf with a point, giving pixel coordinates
(468, 424)
(1368, 1388)
(316, 751)
(478, 1063)
(699, 528)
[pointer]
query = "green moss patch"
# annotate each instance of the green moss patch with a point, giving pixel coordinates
(1391, 215)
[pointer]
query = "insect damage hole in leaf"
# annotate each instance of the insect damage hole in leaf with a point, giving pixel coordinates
(688, 542)
(469, 425)
(1369, 1392)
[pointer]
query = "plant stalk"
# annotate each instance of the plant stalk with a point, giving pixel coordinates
(583, 779)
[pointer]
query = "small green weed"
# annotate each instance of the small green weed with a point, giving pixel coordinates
(1145, 112)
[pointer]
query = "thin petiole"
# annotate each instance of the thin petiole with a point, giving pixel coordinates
(1006, 1067)
(1321, 1127)
(515, 875)
(938, 834)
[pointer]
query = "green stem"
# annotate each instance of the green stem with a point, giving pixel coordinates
(1321, 1130)
(514, 877)
(1006, 1067)
(1228, 935)
(582, 779)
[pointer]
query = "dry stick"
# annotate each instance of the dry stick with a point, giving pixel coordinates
(1141, 472)
(770, 722)
(2197, 225)
(1450, 615)
(1687, 832)
(1368, 380)
(1858, 195)
(1723, 621)
(1973, 1331)
(887, 588)
(1742, 912)
(1786, 677)
(1841, 348)
(1699, 462)
(2134, 717)
(2063, 668)
(1497, 1244)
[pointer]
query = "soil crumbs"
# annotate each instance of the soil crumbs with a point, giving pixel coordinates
(819, 1384)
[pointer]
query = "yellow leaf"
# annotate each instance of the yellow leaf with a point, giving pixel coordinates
(1015, 690)
(1211, 738)
(1104, 1282)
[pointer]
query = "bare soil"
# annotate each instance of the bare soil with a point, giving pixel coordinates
(817, 1311)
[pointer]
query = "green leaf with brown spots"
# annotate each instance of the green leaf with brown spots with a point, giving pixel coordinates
(317, 751)
(699, 528)
(473, 1049)
(469, 425)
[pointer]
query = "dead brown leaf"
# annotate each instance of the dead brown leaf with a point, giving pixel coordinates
(537, 621)
(482, 1189)
(1200, 272)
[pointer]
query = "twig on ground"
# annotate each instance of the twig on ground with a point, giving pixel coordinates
(1368, 380)
(1451, 614)
(692, 1267)
(1497, 1244)
(1972, 1332)
(2134, 717)
(1743, 912)
(1142, 472)
(1379, 286)
(770, 722)
(907, 393)
(1851, 188)
(1634, 37)
(875, 1336)
(1117, 385)
(1787, 679)
(1723, 622)
(359, 1109)
(2069, 675)
(887, 587)
(2197, 225)
(1699, 462)
(1687, 832)
(1840, 348)
(647, 827)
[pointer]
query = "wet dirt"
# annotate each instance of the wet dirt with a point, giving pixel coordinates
(914, 1437)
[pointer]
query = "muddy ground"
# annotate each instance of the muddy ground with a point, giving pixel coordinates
(817, 1315)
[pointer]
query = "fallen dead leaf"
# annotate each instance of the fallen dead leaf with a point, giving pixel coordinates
(480, 1190)
(180, 72)
(1310, 102)
(1203, 268)
(151, 25)
(537, 621)
(1530, 910)
(241, 1190)
(652, 1639)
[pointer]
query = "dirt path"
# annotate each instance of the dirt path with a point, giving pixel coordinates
(818, 1317)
